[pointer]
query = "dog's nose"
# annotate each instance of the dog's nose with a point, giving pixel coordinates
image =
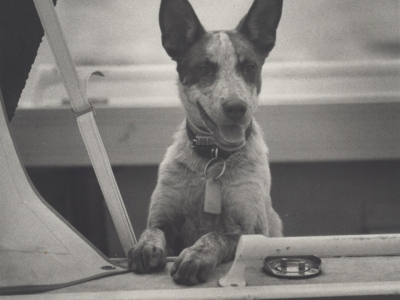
(234, 109)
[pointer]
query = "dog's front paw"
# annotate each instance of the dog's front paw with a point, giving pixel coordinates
(193, 267)
(145, 257)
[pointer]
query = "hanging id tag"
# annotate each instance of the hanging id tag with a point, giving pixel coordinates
(212, 196)
(213, 188)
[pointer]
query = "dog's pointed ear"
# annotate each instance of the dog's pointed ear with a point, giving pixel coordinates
(180, 27)
(260, 24)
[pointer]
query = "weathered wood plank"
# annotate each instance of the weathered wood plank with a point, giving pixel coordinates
(137, 136)
(341, 277)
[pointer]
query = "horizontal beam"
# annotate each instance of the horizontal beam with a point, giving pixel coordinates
(140, 136)
(283, 83)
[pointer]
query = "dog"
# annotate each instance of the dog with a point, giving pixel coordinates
(214, 181)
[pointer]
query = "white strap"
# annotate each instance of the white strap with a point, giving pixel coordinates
(76, 90)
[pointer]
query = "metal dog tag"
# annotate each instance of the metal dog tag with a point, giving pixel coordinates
(212, 196)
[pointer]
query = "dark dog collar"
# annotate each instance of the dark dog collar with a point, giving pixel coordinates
(203, 142)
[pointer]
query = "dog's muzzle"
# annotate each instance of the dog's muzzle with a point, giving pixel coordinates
(230, 137)
(234, 110)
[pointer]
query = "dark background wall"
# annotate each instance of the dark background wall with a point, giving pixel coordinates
(319, 198)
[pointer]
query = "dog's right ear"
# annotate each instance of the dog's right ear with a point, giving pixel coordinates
(179, 25)
(260, 24)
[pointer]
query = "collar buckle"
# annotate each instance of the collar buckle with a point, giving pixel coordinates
(200, 140)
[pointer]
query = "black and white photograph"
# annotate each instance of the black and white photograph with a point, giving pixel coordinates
(199, 149)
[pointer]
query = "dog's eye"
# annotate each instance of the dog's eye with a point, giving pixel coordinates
(205, 70)
(248, 68)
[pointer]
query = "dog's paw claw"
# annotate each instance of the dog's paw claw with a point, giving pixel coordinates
(192, 267)
(146, 257)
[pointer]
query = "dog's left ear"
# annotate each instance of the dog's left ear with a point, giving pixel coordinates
(260, 24)
(180, 27)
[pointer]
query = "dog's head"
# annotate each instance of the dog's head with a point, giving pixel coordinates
(220, 72)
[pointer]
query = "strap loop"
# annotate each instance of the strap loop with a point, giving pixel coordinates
(84, 77)
(86, 106)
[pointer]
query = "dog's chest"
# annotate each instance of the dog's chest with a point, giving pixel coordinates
(199, 222)
(208, 186)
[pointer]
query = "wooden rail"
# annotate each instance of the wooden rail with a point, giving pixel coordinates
(309, 112)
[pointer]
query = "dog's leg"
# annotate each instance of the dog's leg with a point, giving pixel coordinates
(195, 263)
(149, 254)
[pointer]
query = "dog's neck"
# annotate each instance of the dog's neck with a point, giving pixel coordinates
(202, 142)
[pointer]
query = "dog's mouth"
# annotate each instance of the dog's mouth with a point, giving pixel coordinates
(228, 137)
